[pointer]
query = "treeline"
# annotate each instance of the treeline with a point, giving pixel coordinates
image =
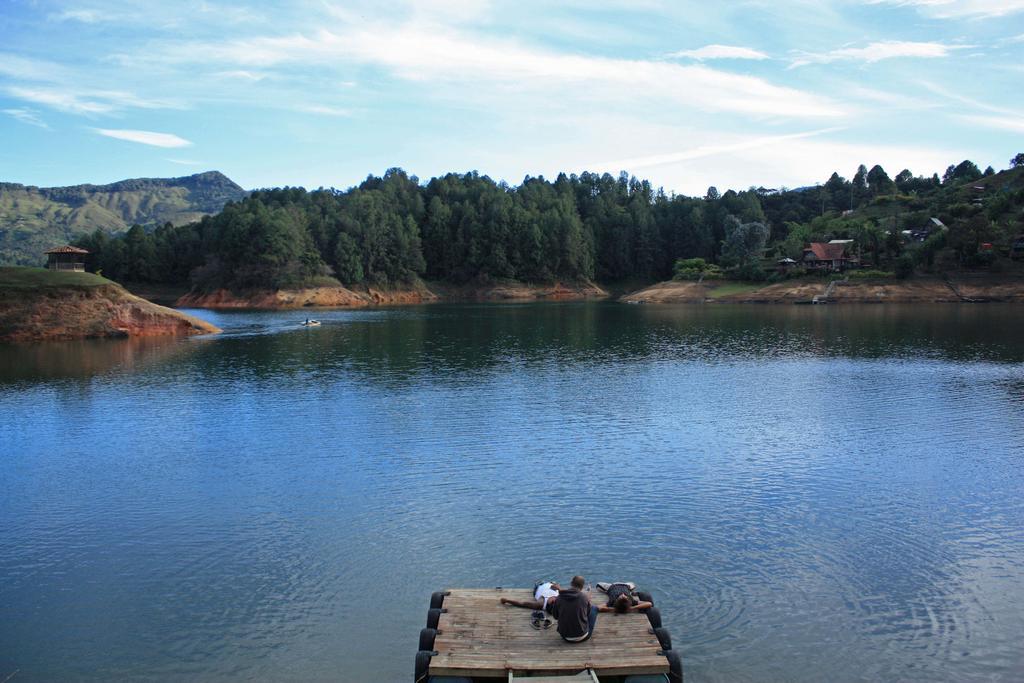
(467, 228)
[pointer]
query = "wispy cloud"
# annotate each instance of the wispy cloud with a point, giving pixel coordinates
(1013, 124)
(876, 52)
(959, 9)
(719, 52)
(25, 69)
(442, 56)
(969, 101)
(62, 101)
(242, 75)
(145, 137)
(705, 151)
(27, 116)
(87, 102)
(86, 16)
(186, 162)
(891, 100)
(324, 110)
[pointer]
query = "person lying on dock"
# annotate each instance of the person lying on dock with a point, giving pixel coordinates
(576, 616)
(544, 596)
(622, 600)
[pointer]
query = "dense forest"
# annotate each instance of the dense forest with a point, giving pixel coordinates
(468, 228)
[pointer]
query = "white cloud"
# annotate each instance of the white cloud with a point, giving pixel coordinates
(440, 56)
(959, 9)
(242, 75)
(796, 163)
(62, 101)
(969, 101)
(86, 16)
(325, 110)
(1013, 124)
(86, 102)
(703, 151)
(876, 52)
(145, 137)
(720, 52)
(27, 116)
(25, 69)
(185, 162)
(889, 99)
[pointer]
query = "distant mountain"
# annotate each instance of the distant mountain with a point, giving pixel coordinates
(34, 219)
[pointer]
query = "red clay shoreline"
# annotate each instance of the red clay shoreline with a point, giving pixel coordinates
(66, 313)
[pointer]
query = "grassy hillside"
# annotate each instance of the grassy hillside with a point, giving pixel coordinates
(35, 278)
(33, 219)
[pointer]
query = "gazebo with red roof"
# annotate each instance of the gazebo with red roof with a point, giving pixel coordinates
(66, 258)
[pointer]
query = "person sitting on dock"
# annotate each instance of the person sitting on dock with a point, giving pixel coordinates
(622, 600)
(576, 616)
(544, 596)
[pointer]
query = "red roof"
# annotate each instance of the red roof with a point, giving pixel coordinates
(67, 250)
(828, 252)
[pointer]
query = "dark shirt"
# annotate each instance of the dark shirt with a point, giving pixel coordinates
(572, 609)
(617, 589)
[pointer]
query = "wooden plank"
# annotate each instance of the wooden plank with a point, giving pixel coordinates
(480, 637)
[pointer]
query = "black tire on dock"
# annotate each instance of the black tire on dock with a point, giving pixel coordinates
(675, 666)
(644, 596)
(654, 616)
(664, 639)
(436, 599)
(428, 635)
(433, 615)
(422, 672)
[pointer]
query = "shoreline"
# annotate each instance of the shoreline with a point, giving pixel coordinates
(928, 289)
(363, 297)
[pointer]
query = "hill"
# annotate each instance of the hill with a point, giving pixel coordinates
(33, 219)
(37, 304)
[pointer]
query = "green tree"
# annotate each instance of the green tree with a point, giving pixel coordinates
(879, 182)
(744, 242)
(348, 263)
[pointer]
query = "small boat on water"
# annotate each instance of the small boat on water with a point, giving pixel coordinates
(311, 323)
(471, 637)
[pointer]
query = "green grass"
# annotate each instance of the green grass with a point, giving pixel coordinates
(321, 281)
(730, 288)
(13, 277)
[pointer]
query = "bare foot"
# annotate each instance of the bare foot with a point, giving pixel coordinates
(504, 601)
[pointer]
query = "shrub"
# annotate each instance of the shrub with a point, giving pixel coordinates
(870, 274)
(695, 268)
(751, 272)
(904, 266)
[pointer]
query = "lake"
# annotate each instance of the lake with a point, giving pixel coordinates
(810, 493)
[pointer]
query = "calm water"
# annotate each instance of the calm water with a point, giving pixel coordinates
(811, 493)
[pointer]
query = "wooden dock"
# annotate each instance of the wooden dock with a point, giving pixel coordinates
(479, 637)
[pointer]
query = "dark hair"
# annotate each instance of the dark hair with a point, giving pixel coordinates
(622, 604)
(578, 582)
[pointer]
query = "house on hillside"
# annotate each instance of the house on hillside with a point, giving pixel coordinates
(924, 232)
(828, 256)
(1017, 247)
(66, 258)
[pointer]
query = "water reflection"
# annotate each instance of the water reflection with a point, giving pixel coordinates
(33, 362)
(447, 341)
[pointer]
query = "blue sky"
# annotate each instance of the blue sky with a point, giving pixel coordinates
(687, 94)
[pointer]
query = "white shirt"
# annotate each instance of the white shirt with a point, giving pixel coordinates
(545, 592)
